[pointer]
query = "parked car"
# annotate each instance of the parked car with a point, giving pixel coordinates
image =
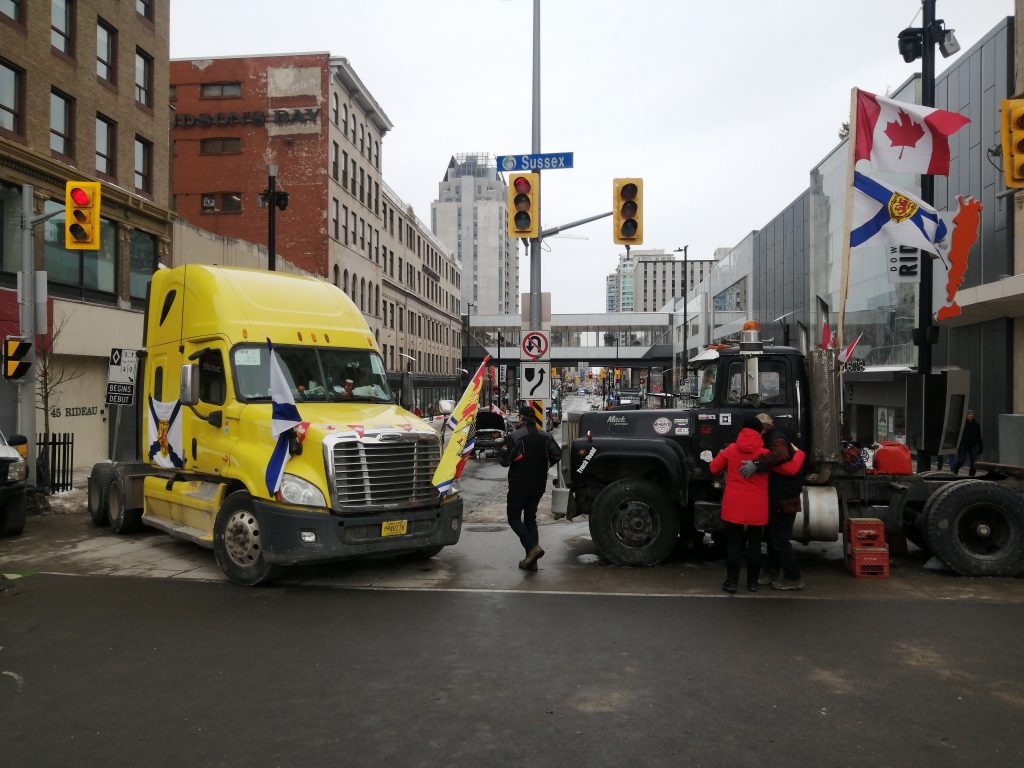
(490, 432)
(13, 470)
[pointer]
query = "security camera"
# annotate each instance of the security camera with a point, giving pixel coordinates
(948, 44)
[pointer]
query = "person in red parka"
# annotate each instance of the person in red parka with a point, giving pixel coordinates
(744, 504)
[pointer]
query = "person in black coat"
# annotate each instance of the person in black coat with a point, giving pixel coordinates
(527, 452)
(970, 446)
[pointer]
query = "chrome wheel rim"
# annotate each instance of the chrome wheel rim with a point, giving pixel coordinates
(242, 538)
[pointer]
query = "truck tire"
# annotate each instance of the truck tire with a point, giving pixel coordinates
(633, 523)
(122, 520)
(99, 493)
(12, 517)
(917, 532)
(237, 545)
(976, 527)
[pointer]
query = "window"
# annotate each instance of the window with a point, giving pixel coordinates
(144, 8)
(226, 146)
(362, 140)
(143, 165)
(143, 262)
(10, 98)
(212, 383)
(344, 224)
(143, 78)
(222, 202)
(220, 90)
(334, 108)
(344, 169)
(106, 145)
(60, 26)
(61, 108)
(106, 50)
(335, 224)
(88, 272)
(11, 9)
(335, 149)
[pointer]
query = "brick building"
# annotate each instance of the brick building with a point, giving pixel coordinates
(83, 96)
(312, 117)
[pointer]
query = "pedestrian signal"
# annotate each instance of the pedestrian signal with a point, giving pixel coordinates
(628, 211)
(15, 350)
(524, 205)
(82, 216)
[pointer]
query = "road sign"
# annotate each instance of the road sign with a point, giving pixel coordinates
(535, 381)
(535, 346)
(121, 371)
(543, 162)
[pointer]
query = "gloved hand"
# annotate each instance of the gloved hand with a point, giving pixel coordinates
(747, 468)
(705, 456)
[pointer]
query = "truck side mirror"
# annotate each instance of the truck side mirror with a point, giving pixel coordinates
(445, 406)
(189, 384)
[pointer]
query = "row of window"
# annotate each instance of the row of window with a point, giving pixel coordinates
(344, 170)
(368, 146)
(422, 362)
(62, 128)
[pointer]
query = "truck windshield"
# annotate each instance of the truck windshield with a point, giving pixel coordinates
(313, 374)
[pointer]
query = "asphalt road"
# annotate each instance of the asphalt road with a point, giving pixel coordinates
(158, 672)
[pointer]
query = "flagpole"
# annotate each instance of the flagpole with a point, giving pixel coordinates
(851, 163)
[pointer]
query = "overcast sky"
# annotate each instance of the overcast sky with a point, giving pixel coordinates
(721, 107)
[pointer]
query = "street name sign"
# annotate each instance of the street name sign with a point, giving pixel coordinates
(544, 162)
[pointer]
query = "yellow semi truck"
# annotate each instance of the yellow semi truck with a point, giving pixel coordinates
(357, 468)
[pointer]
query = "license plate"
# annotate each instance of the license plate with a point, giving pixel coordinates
(394, 528)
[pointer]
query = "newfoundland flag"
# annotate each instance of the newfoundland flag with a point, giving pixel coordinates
(284, 417)
(902, 137)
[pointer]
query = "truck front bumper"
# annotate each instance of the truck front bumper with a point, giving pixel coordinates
(291, 536)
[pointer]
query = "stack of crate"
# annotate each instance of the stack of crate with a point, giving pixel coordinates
(867, 555)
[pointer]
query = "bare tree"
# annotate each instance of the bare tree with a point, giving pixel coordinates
(51, 376)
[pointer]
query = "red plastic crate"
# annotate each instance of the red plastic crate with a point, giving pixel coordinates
(865, 532)
(870, 563)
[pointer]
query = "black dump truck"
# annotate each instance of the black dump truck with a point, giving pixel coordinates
(642, 476)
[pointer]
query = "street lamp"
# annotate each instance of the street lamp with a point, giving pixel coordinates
(686, 314)
(915, 43)
(499, 368)
(273, 200)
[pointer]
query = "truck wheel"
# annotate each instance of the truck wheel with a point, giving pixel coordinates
(632, 523)
(12, 518)
(237, 545)
(977, 528)
(916, 532)
(99, 493)
(122, 520)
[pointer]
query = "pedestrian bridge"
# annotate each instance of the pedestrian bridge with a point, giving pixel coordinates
(609, 339)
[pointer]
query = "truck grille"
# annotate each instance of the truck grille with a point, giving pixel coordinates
(389, 472)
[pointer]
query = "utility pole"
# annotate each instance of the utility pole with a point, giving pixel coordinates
(686, 314)
(535, 295)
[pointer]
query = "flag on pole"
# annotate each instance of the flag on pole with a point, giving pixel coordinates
(890, 216)
(826, 331)
(847, 354)
(462, 443)
(902, 137)
(284, 417)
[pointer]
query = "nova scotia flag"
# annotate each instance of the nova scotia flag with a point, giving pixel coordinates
(885, 216)
(284, 417)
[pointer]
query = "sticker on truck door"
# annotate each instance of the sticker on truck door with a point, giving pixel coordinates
(725, 419)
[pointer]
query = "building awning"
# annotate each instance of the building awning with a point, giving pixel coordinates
(990, 301)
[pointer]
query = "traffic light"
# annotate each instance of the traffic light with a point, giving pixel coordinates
(628, 211)
(1013, 142)
(15, 350)
(524, 205)
(82, 216)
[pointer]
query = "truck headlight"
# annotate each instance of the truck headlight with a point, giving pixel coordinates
(295, 490)
(16, 470)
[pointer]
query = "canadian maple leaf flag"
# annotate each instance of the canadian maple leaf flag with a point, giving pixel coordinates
(902, 137)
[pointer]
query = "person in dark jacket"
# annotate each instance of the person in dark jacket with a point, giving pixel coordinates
(782, 571)
(744, 505)
(970, 446)
(527, 452)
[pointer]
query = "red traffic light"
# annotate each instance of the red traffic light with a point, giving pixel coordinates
(522, 185)
(79, 196)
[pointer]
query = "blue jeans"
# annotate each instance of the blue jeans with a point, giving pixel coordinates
(965, 456)
(522, 517)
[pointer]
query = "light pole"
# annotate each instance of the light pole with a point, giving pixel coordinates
(686, 314)
(499, 368)
(273, 200)
(919, 43)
